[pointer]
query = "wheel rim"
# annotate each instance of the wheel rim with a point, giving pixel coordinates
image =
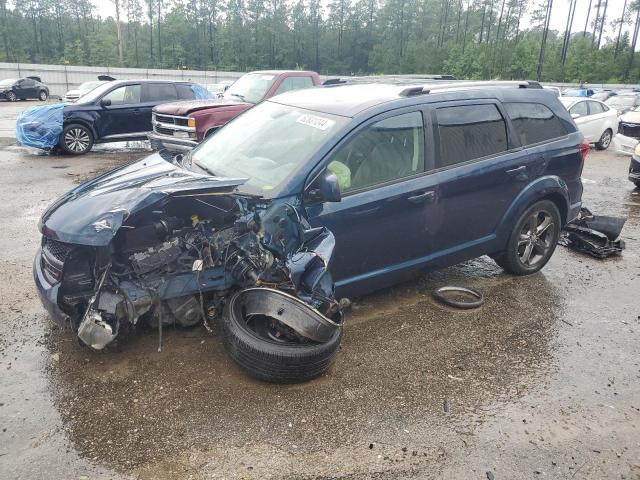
(606, 139)
(43, 96)
(77, 140)
(12, 97)
(536, 238)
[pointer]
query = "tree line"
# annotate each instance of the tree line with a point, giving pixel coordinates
(473, 39)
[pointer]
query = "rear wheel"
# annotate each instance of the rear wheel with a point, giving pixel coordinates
(11, 97)
(605, 140)
(43, 96)
(533, 239)
(76, 139)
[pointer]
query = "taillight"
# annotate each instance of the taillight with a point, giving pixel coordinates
(584, 149)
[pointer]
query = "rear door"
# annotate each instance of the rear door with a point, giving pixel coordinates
(154, 93)
(122, 117)
(479, 169)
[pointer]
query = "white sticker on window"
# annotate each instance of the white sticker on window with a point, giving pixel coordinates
(316, 122)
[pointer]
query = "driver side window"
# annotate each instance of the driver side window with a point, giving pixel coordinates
(124, 95)
(386, 151)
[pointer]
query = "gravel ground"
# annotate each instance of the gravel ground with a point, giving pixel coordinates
(542, 381)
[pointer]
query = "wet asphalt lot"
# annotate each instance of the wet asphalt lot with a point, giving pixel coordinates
(543, 381)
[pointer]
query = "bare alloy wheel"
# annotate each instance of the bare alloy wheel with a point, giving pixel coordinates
(43, 95)
(11, 97)
(76, 139)
(533, 239)
(605, 140)
(536, 238)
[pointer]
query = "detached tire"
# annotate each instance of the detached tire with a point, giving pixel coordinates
(533, 239)
(271, 360)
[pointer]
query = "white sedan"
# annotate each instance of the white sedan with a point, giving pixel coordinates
(597, 121)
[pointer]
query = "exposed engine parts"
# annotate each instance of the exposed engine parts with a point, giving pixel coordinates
(165, 269)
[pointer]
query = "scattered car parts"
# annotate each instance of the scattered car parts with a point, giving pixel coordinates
(476, 298)
(595, 235)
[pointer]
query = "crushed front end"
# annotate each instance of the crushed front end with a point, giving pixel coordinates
(174, 253)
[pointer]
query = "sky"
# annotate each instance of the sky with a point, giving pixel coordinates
(559, 14)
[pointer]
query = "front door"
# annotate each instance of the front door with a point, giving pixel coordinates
(380, 225)
(121, 117)
(26, 88)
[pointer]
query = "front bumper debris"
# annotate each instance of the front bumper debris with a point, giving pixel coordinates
(170, 143)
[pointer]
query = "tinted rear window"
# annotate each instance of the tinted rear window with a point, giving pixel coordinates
(160, 91)
(468, 132)
(534, 122)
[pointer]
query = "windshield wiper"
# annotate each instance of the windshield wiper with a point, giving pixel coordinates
(241, 97)
(205, 168)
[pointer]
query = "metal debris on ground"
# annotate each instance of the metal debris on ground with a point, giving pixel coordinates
(466, 298)
(595, 235)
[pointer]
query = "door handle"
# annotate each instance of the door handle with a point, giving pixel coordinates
(519, 173)
(427, 196)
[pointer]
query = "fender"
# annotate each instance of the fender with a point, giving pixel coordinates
(551, 187)
(84, 118)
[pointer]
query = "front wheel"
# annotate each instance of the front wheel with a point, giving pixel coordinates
(76, 139)
(43, 96)
(605, 140)
(533, 239)
(11, 97)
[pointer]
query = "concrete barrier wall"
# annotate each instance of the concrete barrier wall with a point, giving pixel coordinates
(60, 78)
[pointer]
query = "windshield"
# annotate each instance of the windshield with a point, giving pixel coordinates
(266, 144)
(620, 101)
(90, 85)
(8, 82)
(94, 94)
(250, 87)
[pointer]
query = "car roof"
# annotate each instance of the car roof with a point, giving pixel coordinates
(350, 100)
(280, 72)
(145, 80)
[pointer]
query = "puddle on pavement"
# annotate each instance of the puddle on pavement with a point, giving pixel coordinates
(426, 364)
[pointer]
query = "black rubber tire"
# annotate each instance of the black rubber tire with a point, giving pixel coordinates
(273, 362)
(509, 259)
(43, 95)
(478, 298)
(66, 148)
(604, 143)
(11, 97)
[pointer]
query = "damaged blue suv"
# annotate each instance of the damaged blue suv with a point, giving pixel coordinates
(308, 197)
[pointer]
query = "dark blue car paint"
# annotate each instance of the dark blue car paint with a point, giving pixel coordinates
(381, 236)
(125, 122)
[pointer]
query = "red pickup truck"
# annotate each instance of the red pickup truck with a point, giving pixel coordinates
(180, 126)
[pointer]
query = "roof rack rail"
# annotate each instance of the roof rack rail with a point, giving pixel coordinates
(424, 89)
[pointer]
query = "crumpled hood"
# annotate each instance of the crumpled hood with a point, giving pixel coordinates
(630, 117)
(186, 107)
(92, 213)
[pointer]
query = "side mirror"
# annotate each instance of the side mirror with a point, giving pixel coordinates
(575, 115)
(105, 102)
(326, 188)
